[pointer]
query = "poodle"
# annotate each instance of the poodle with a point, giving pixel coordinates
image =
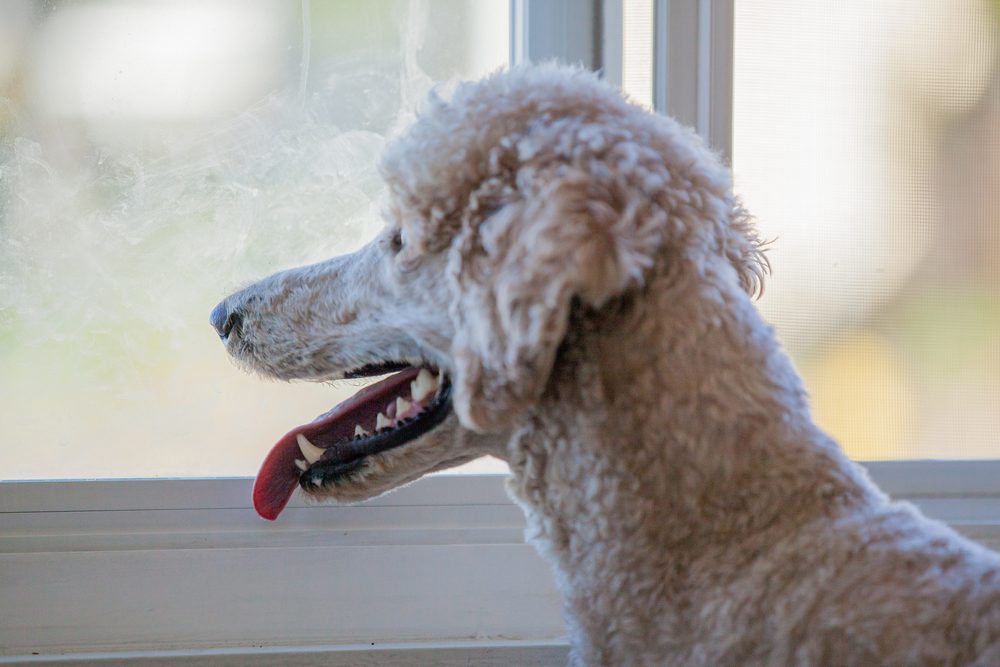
(565, 281)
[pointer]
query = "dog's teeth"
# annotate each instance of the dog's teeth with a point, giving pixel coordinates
(317, 480)
(382, 422)
(301, 465)
(423, 386)
(415, 391)
(360, 432)
(309, 450)
(402, 405)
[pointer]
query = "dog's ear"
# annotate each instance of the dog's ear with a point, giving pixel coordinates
(515, 275)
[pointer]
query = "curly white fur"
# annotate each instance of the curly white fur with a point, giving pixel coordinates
(583, 272)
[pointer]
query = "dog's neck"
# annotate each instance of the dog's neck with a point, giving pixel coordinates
(635, 476)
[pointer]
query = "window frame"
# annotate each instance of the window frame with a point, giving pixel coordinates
(693, 67)
(112, 566)
(107, 569)
(111, 569)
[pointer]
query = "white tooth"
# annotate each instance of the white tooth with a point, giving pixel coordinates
(309, 450)
(439, 383)
(402, 405)
(317, 480)
(301, 465)
(382, 422)
(360, 431)
(423, 386)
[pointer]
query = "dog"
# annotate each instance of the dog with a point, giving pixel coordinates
(565, 281)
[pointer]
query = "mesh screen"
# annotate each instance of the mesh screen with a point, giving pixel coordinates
(867, 143)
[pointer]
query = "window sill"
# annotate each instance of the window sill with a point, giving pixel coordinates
(184, 568)
(440, 654)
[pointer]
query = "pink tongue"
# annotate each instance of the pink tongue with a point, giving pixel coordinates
(279, 475)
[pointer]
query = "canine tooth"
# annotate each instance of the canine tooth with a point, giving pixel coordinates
(360, 432)
(309, 450)
(415, 391)
(382, 422)
(423, 386)
(301, 465)
(402, 405)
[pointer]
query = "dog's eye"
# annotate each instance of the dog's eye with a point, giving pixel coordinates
(397, 242)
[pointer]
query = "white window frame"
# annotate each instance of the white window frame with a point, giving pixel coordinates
(693, 73)
(693, 63)
(436, 572)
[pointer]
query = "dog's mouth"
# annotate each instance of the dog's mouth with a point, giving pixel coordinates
(380, 417)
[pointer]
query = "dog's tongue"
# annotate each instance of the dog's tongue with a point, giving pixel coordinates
(279, 475)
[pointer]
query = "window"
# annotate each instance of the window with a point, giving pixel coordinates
(154, 157)
(128, 209)
(178, 206)
(861, 137)
(865, 143)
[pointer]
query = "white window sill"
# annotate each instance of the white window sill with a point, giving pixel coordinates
(440, 654)
(184, 569)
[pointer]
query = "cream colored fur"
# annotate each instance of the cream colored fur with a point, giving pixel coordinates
(583, 272)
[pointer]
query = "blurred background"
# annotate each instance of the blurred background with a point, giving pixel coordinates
(155, 156)
(867, 144)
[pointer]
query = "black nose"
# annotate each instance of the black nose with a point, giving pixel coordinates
(224, 320)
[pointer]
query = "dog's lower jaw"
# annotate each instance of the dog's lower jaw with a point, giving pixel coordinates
(446, 446)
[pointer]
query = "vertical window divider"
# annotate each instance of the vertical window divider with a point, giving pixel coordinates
(564, 30)
(612, 41)
(693, 67)
(661, 56)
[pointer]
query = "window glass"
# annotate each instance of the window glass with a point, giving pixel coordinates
(867, 143)
(157, 155)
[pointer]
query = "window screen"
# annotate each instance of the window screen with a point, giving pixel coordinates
(867, 144)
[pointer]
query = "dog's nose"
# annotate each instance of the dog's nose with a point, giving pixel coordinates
(224, 320)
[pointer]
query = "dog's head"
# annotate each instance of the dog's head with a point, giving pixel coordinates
(525, 195)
